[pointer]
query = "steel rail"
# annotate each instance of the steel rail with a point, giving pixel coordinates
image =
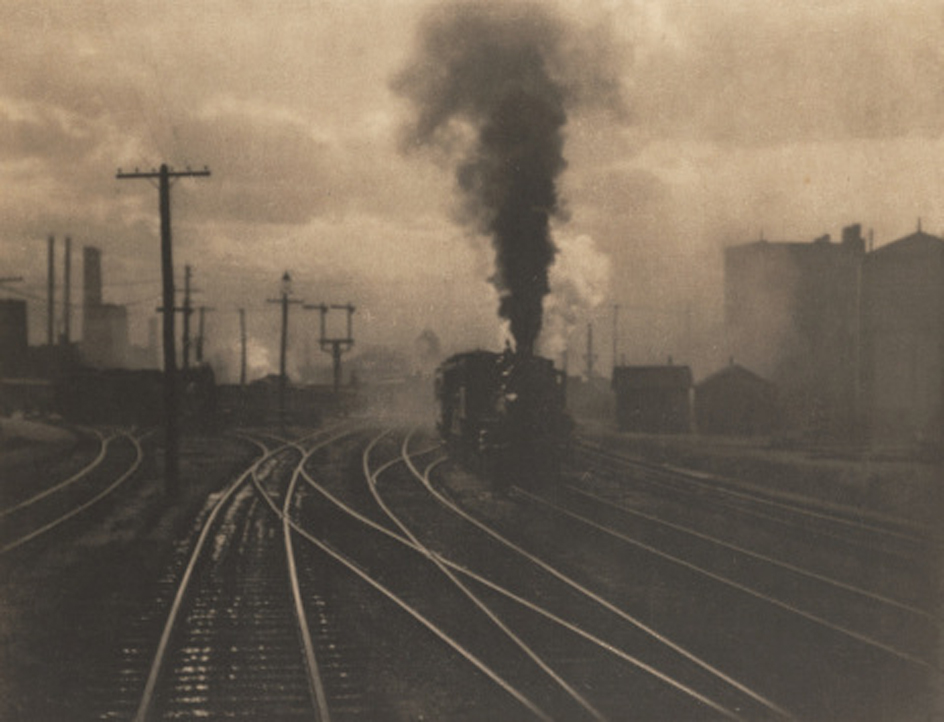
(851, 518)
(147, 697)
(102, 453)
(639, 624)
(372, 480)
(314, 673)
(405, 606)
(316, 684)
(808, 616)
(800, 571)
(625, 656)
(82, 507)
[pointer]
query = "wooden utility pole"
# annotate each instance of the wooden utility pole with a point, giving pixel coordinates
(171, 434)
(242, 343)
(186, 310)
(285, 301)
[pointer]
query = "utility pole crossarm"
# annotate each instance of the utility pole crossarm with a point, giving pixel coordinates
(171, 433)
(121, 175)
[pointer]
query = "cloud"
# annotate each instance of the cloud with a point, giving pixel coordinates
(762, 73)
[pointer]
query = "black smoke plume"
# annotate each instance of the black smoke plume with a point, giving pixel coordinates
(499, 70)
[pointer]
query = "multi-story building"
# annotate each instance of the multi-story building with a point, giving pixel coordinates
(791, 315)
(903, 338)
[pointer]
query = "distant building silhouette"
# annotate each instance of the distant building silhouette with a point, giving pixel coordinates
(104, 325)
(736, 401)
(13, 338)
(653, 399)
(903, 337)
(791, 314)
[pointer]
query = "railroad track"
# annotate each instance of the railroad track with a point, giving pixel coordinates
(558, 636)
(229, 646)
(890, 557)
(884, 536)
(821, 640)
(447, 662)
(323, 588)
(120, 454)
(267, 621)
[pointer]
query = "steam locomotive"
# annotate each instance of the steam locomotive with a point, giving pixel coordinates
(503, 415)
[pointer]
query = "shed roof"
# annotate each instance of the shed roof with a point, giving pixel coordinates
(734, 373)
(916, 242)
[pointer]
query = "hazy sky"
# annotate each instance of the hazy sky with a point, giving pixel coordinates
(723, 119)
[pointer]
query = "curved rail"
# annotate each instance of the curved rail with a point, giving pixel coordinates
(157, 663)
(103, 443)
(550, 616)
(396, 599)
(139, 457)
(609, 606)
(475, 599)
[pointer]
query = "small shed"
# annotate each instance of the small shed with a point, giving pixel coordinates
(653, 399)
(735, 401)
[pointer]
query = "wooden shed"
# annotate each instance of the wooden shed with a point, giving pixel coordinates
(653, 399)
(736, 401)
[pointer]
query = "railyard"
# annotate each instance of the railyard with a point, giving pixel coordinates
(630, 588)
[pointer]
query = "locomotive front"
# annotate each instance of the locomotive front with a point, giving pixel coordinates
(504, 415)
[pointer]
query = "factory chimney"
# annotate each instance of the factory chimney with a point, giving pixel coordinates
(92, 276)
(50, 290)
(67, 295)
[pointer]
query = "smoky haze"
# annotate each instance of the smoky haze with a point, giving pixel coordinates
(486, 89)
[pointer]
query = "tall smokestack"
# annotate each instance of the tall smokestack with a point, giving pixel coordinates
(91, 276)
(504, 71)
(67, 295)
(50, 290)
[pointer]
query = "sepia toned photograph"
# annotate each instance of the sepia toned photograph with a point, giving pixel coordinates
(472, 360)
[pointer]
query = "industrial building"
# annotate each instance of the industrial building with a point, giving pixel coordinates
(853, 340)
(903, 338)
(791, 314)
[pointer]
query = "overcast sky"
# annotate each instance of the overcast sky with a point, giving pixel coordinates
(723, 119)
